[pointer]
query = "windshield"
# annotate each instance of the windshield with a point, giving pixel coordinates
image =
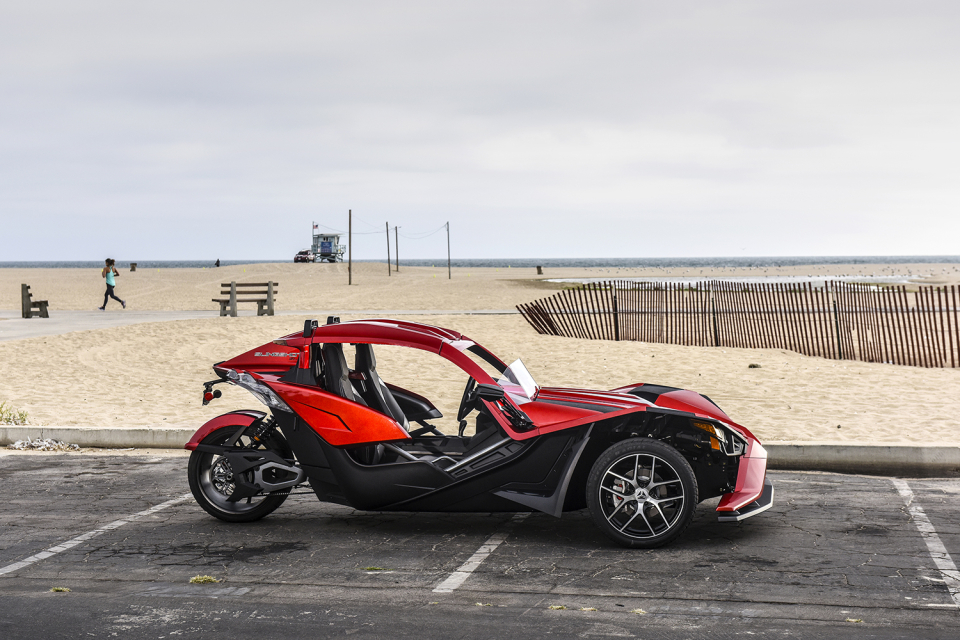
(518, 382)
(515, 379)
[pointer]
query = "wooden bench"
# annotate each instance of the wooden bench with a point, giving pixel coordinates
(32, 308)
(264, 291)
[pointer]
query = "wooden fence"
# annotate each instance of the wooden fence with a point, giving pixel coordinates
(839, 321)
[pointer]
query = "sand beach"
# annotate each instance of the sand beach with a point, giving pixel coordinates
(149, 373)
(324, 286)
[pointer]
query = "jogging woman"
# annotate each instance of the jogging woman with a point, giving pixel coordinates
(110, 272)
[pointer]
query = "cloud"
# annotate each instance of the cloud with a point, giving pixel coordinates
(182, 130)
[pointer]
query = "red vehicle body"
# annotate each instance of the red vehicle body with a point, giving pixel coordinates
(640, 456)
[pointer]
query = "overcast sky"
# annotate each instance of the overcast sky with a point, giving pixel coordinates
(194, 130)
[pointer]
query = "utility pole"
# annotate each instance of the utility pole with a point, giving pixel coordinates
(449, 276)
(396, 244)
(349, 246)
(388, 248)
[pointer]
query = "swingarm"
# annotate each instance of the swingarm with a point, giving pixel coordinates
(256, 471)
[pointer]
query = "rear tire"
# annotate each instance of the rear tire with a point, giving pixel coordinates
(642, 493)
(210, 478)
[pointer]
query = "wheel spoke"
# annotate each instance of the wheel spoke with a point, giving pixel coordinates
(666, 482)
(653, 464)
(649, 526)
(632, 518)
(617, 510)
(660, 511)
(636, 470)
(620, 477)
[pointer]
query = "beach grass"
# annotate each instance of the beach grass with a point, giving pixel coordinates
(11, 416)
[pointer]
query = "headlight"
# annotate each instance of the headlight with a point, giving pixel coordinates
(716, 435)
(721, 439)
(260, 391)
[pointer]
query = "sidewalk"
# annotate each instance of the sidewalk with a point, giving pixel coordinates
(918, 461)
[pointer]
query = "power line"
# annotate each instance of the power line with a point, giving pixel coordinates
(424, 235)
(372, 226)
(317, 224)
(343, 233)
(414, 236)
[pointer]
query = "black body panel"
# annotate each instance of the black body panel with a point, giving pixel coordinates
(535, 467)
(534, 464)
(651, 392)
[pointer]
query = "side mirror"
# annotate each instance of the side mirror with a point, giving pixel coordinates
(308, 327)
(489, 392)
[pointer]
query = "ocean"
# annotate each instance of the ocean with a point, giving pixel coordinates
(520, 263)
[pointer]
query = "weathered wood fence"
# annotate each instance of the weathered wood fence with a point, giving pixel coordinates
(840, 321)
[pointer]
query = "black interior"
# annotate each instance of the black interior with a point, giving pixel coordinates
(364, 386)
(414, 407)
(375, 392)
(336, 378)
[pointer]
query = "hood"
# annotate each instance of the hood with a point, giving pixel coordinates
(633, 396)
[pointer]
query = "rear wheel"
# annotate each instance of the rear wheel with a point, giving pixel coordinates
(212, 483)
(642, 493)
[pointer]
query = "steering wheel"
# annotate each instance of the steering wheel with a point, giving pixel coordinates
(468, 400)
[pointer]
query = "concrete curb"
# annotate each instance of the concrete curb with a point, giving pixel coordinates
(106, 437)
(915, 461)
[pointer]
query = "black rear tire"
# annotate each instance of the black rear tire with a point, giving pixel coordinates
(210, 479)
(642, 493)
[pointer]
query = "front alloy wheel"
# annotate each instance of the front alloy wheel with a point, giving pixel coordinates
(642, 493)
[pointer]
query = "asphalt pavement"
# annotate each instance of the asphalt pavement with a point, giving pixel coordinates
(841, 555)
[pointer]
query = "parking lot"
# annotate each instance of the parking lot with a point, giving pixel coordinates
(836, 554)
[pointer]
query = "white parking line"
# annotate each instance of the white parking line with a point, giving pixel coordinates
(458, 577)
(941, 558)
(69, 544)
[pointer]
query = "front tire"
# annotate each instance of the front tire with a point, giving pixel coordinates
(642, 493)
(211, 478)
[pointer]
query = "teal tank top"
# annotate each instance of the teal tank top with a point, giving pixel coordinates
(110, 280)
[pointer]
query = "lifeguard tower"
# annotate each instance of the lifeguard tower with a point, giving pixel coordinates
(326, 246)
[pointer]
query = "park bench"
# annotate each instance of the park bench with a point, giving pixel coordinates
(32, 308)
(260, 292)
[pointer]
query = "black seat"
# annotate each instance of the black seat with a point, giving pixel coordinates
(486, 429)
(378, 395)
(336, 375)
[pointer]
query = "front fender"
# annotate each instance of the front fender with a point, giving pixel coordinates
(243, 418)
